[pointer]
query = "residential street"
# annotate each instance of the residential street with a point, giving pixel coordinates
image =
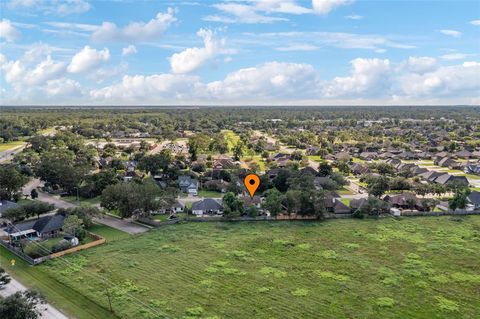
(123, 225)
(7, 155)
(14, 286)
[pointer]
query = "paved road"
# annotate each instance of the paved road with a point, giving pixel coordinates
(8, 155)
(49, 313)
(123, 225)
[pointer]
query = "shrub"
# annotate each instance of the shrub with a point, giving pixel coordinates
(61, 246)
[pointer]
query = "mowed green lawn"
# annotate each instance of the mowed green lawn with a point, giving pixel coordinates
(10, 145)
(408, 268)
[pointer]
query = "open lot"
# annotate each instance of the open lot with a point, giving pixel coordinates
(10, 145)
(410, 268)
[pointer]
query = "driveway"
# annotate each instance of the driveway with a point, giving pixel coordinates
(49, 313)
(123, 225)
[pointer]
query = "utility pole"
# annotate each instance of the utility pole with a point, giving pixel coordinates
(109, 299)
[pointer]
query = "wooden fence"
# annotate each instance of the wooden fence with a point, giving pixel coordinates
(99, 240)
(35, 261)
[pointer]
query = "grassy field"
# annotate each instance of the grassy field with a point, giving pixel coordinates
(408, 268)
(67, 299)
(10, 145)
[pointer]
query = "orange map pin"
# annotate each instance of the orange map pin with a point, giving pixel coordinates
(251, 182)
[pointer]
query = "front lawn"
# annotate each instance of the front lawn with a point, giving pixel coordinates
(385, 268)
(209, 194)
(83, 201)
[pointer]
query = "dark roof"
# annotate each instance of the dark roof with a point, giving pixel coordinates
(474, 198)
(42, 225)
(6, 204)
(206, 205)
(447, 178)
(340, 208)
(357, 203)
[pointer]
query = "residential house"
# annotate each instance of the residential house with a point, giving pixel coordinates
(472, 169)
(356, 204)
(334, 205)
(464, 154)
(404, 201)
(451, 179)
(343, 156)
(368, 156)
(207, 206)
(408, 155)
(251, 201)
(6, 204)
(188, 185)
(431, 176)
(44, 227)
(474, 200)
(223, 163)
(359, 169)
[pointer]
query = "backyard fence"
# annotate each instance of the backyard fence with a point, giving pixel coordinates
(98, 241)
(408, 213)
(293, 217)
(19, 253)
(35, 261)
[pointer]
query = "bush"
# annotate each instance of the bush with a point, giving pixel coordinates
(61, 246)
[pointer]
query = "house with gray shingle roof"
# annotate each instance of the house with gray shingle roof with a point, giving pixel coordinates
(45, 227)
(207, 206)
(6, 204)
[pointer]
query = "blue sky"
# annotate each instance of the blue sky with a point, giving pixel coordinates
(239, 52)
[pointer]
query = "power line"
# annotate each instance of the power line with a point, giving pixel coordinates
(105, 280)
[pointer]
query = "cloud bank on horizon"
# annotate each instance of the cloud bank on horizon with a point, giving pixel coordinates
(242, 52)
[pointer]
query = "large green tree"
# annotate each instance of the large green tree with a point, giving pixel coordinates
(22, 305)
(11, 181)
(131, 198)
(273, 201)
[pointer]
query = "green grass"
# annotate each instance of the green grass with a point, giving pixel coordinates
(109, 233)
(65, 298)
(344, 191)
(346, 201)
(232, 139)
(83, 201)
(209, 194)
(357, 160)
(388, 268)
(258, 160)
(316, 158)
(10, 145)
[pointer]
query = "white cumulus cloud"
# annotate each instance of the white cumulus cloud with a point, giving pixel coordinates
(148, 89)
(271, 79)
(131, 49)
(7, 31)
(136, 31)
(475, 22)
(324, 7)
(420, 64)
(192, 58)
(88, 59)
(369, 77)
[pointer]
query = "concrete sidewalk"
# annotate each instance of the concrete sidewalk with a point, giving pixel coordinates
(49, 313)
